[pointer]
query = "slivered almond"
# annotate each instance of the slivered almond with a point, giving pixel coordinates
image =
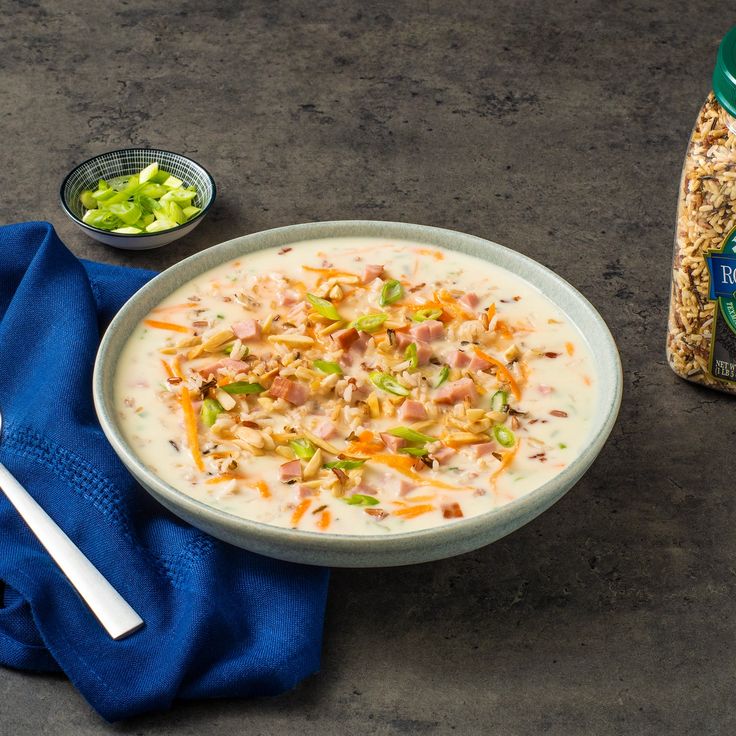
(474, 415)
(285, 451)
(189, 342)
(455, 439)
(373, 405)
(216, 340)
(313, 466)
(512, 353)
(291, 340)
(267, 323)
(319, 442)
(226, 401)
(336, 293)
(334, 327)
(195, 352)
(251, 436)
(265, 403)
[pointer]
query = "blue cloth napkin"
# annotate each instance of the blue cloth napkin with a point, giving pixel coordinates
(220, 622)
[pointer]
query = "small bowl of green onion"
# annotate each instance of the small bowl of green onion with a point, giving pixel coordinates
(137, 198)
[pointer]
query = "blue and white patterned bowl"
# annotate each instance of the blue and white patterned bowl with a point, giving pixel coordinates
(130, 161)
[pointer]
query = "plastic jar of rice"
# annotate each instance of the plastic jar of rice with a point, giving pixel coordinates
(701, 340)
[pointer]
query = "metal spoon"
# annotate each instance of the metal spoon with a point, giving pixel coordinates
(112, 611)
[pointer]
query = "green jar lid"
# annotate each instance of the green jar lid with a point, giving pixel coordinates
(724, 75)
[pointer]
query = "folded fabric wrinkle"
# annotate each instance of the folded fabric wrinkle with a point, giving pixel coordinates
(219, 621)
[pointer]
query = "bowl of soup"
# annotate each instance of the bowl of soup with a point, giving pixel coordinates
(358, 393)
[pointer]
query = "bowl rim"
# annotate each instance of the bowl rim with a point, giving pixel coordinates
(137, 236)
(527, 506)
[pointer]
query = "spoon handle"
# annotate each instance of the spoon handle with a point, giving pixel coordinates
(112, 611)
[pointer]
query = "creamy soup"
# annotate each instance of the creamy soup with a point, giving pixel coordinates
(356, 386)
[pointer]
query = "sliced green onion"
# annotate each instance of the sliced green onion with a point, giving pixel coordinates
(443, 376)
(411, 354)
(87, 199)
(388, 383)
(229, 349)
(210, 409)
(345, 464)
(422, 315)
(410, 435)
(242, 387)
(499, 401)
(172, 182)
(128, 212)
(391, 292)
(324, 307)
(370, 322)
(303, 448)
(101, 219)
(149, 172)
(327, 366)
(359, 499)
(414, 451)
(127, 201)
(504, 436)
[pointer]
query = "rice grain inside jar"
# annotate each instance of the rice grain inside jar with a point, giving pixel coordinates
(701, 339)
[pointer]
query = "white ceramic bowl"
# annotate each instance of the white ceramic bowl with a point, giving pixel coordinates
(352, 550)
(130, 161)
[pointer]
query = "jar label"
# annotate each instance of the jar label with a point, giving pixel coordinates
(722, 271)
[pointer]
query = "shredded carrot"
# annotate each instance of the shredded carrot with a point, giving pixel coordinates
(366, 436)
(436, 254)
(411, 511)
(587, 381)
(165, 325)
(508, 458)
(502, 369)
(491, 312)
(167, 368)
(190, 421)
(299, 511)
(417, 499)
(328, 273)
(504, 328)
(174, 308)
(263, 489)
(405, 465)
(448, 301)
(220, 479)
(324, 520)
(570, 348)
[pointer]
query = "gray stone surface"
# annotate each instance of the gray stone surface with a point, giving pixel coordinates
(557, 128)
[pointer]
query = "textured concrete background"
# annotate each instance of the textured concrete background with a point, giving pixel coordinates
(556, 128)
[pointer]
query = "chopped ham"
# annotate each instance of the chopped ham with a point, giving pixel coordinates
(392, 443)
(444, 454)
(431, 329)
(470, 300)
(452, 511)
(248, 329)
(372, 271)
(403, 339)
(290, 471)
(361, 343)
(406, 487)
(304, 491)
(345, 338)
(283, 388)
(326, 430)
(366, 490)
(484, 448)
(287, 297)
(412, 411)
(478, 364)
(234, 366)
(424, 353)
(459, 359)
(452, 393)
